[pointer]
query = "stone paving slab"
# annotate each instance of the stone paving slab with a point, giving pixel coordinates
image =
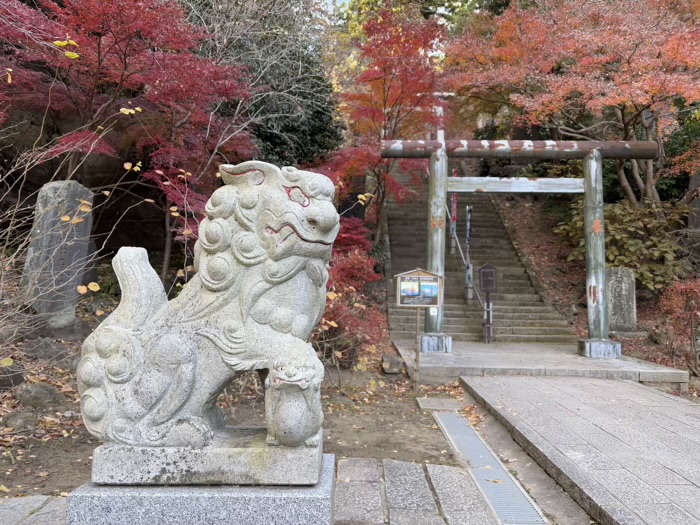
(536, 359)
(635, 457)
(439, 403)
(15, 510)
(451, 485)
(367, 492)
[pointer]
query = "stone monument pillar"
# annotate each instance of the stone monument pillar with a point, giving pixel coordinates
(622, 302)
(58, 250)
(150, 374)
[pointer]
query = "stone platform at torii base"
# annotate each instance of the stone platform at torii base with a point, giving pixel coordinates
(532, 359)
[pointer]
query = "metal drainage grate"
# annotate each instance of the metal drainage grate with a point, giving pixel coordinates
(510, 502)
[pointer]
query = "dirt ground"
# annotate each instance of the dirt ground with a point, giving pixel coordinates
(374, 416)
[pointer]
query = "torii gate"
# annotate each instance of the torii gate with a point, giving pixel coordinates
(591, 152)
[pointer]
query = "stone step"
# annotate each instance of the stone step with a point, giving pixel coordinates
(408, 323)
(373, 492)
(519, 312)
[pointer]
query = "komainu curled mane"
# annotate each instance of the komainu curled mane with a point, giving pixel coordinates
(151, 372)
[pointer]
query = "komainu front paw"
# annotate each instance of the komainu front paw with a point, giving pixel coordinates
(315, 440)
(272, 441)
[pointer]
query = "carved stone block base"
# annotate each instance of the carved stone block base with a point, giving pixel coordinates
(237, 456)
(106, 505)
(600, 348)
(431, 343)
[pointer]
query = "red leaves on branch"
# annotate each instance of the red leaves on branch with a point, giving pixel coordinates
(396, 88)
(394, 97)
(119, 75)
(559, 60)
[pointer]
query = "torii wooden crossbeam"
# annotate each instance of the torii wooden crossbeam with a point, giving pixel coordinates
(591, 152)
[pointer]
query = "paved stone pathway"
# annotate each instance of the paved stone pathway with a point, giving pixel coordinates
(368, 492)
(627, 453)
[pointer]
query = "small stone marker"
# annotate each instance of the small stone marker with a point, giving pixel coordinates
(622, 306)
(57, 251)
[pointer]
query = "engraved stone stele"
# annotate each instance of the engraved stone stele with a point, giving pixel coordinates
(622, 303)
(57, 252)
(150, 374)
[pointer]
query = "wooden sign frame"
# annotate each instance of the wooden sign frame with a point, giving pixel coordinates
(427, 287)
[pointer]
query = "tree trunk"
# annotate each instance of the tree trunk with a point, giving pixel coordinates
(637, 179)
(167, 249)
(629, 193)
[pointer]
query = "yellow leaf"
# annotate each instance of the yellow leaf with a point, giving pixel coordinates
(72, 42)
(149, 200)
(43, 474)
(495, 480)
(360, 306)
(218, 175)
(82, 290)
(174, 214)
(3, 488)
(77, 220)
(333, 324)
(72, 55)
(332, 296)
(6, 361)
(173, 208)
(159, 172)
(187, 232)
(166, 183)
(63, 494)
(181, 273)
(65, 218)
(60, 43)
(139, 110)
(338, 354)
(9, 75)
(124, 111)
(99, 313)
(86, 208)
(106, 193)
(94, 287)
(128, 165)
(137, 168)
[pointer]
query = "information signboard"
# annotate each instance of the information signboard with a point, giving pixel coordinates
(487, 279)
(419, 289)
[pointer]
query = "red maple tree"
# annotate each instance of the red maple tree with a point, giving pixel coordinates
(608, 70)
(123, 78)
(394, 96)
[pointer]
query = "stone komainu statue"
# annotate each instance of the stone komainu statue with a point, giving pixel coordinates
(150, 374)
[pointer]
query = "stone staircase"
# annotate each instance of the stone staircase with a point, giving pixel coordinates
(520, 314)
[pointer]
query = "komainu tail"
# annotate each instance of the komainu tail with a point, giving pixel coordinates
(142, 291)
(112, 353)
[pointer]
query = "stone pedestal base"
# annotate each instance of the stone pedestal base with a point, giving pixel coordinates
(600, 348)
(441, 343)
(117, 505)
(237, 456)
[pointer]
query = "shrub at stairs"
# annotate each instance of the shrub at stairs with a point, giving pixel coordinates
(680, 306)
(639, 238)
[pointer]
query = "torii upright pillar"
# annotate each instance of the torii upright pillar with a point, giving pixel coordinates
(437, 195)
